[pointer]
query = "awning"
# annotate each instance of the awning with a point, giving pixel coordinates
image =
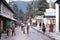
(8, 17)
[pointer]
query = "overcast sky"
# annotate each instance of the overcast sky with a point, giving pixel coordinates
(29, 0)
(19, 0)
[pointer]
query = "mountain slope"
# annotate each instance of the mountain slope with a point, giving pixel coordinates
(21, 4)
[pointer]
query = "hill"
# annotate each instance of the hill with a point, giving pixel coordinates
(21, 4)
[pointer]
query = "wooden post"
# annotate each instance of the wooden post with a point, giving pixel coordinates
(1, 24)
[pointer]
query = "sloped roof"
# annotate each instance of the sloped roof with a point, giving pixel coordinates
(7, 5)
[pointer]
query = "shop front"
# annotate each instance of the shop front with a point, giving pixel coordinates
(6, 16)
(4, 23)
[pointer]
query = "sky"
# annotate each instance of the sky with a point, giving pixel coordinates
(49, 1)
(30, 0)
(19, 0)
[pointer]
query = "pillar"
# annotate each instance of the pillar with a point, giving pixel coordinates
(57, 18)
(38, 24)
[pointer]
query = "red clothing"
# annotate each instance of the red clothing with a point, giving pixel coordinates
(22, 25)
(51, 28)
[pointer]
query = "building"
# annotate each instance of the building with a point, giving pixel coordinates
(37, 19)
(6, 15)
(57, 4)
(50, 16)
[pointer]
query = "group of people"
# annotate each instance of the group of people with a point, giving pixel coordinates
(11, 29)
(43, 26)
(24, 26)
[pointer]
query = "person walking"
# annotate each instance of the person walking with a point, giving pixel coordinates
(40, 25)
(0, 28)
(15, 24)
(7, 31)
(51, 27)
(0, 34)
(28, 24)
(27, 29)
(13, 29)
(23, 27)
(43, 27)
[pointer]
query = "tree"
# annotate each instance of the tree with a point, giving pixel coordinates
(37, 7)
(29, 8)
(21, 15)
(15, 8)
(42, 5)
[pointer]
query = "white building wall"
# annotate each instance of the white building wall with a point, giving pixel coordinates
(57, 18)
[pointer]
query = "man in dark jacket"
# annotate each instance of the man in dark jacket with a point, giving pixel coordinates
(0, 34)
(40, 25)
(0, 28)
(13, 29)
(43, 29)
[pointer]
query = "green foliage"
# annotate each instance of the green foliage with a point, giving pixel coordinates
(29, 8)
(21, 12)
(15, 8)
(39, 13)
(15, 16)
(42, 5)
(37, 7)
(18, 13)
(21, 15)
